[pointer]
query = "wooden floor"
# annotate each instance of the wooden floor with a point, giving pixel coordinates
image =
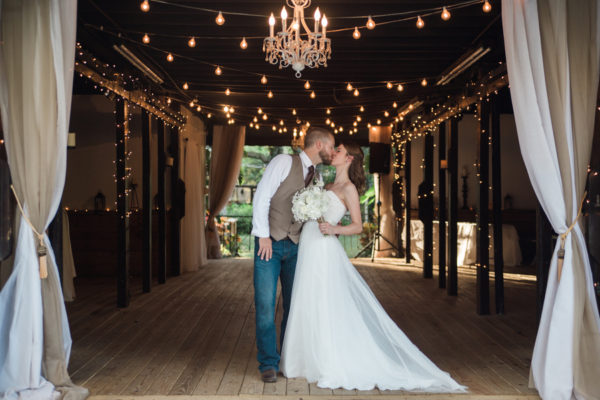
(194, 335)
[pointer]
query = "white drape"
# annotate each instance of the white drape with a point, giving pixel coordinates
(36, 77)
(552, 53)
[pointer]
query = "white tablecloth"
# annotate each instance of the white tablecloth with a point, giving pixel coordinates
(467, 243)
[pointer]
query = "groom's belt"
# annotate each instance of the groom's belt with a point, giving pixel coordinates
(285, 238)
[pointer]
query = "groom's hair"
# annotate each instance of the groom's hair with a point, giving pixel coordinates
(315, 134)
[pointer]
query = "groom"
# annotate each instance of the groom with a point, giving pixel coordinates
(277, 235)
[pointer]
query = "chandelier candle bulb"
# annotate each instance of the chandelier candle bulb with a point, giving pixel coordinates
(272, 26)
(186, 86)
(317, 19)
(424, 82)
(356, 33)
(324, 24)
(227, 92)
(284, 18)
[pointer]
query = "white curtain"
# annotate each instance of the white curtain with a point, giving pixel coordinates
(36, 77)
(552, 53)
(193, 242)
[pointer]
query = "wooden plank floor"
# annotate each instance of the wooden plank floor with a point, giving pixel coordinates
(194, 336)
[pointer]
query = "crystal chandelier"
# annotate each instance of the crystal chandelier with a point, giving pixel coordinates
(289, 48)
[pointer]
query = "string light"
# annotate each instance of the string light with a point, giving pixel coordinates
(358, 118)
(255, 119)
(260, 111)
(146, 38)
(445, 14)
(400, 87)
(227, 92)
(328, 111)
(209, 115)
(192, 42)
(192, 103)
(198, 108)
(389, 85)
(244, 44)
(270, 94)
(362, 109)
(395, 105)
(218, 70)
(349, 87)
(356, 33)
(424, 82)
(186, 86)
(168, 100)
(226, 109)
(145, 6)
(420, 22)
(220, 20)
(307, 85)
(170, 57)
(263, 80)
(293, 111)
(312, 94)
(487, 7)
(265, 117)
(356, 93)
(370, 23)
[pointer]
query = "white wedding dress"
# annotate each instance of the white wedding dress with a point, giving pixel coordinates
(338, 334)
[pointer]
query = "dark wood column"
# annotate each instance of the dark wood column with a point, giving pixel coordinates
(146, 204)
(123, 290)
(176, 208)
(483, 251)
(427, 204)
(497, 209)
(543, 256)
(407, 194)
(442, 208)
(55, 234)
(452, 286)
(162, 208)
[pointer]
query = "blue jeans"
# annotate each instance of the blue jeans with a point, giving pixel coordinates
(281, 266)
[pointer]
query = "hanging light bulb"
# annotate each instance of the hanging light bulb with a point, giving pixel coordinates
(400, 87)
(265, 117)
(312, 94)
(186, 86)
(420, 22)
(358, 118)
(227, 92)
(395, 105)
(487, 7)
(145, 6)
(192, 103)
(270, 94)
(356, 33)
(146, 38)
(386, 114)
(369, 125)
(389, 85)
(170, 57)
(328, 111)
(356, 93)
(255, 119)
(327, 121)
(362, 109)
(260, 111)
(370, 23)
(274, 128)
(424, 82)
(198, 108)
(293, 111)
(168, 100)
(349, 87)
(445, 14)
(244, 44)
(378, 121)
(220, 20)
(307, 85)
(263, 80)
(226, 109)
(209, 115)
(231, 109)
(192, 42)
(218, 70)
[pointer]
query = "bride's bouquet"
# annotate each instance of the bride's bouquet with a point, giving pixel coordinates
(310, 203)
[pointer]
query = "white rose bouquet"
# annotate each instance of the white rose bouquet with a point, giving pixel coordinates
(310, 203)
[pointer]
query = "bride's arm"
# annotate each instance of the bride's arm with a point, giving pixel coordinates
(353, 203)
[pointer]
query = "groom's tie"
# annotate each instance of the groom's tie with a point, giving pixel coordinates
(309, 176)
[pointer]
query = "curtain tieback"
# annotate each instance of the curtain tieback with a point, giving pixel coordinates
(42, 250)
(563, 237)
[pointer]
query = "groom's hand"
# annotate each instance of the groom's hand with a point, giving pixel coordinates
(265, 248)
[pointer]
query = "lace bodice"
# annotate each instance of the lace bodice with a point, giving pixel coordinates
(336, 209)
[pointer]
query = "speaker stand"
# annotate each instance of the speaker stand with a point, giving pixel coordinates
(375, 242)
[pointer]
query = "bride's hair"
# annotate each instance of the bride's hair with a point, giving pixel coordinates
(356, 172)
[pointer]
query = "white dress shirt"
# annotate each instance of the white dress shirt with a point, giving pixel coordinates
(275, 173)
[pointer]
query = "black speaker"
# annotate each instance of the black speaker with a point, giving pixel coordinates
(379, 162)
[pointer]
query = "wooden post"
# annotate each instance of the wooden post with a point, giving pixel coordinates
(162, 211)
(146, 204)
(442, 209)
(407, 194)
(543, 255)
(483, 251)
(497, 209)
(428, 208)
(452, 287)
(123, 290)
(175, 206)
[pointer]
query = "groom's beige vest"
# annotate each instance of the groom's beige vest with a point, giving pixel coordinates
(281, 219)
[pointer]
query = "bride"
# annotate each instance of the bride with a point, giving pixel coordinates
(338, 334)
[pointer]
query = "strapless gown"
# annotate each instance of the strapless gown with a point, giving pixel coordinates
(338, 335)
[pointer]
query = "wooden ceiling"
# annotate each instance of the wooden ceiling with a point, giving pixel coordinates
(395, 52)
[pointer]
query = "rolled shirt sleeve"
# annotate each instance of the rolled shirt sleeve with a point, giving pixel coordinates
(275, 173)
